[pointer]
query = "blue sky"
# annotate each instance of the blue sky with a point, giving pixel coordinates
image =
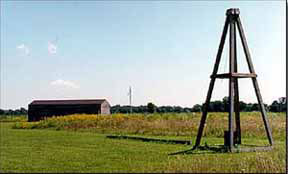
(165, 50)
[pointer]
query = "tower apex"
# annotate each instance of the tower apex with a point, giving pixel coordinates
(233, 11)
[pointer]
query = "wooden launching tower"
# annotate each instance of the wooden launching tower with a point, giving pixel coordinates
(232, 137)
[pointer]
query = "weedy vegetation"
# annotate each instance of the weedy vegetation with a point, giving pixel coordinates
(78, 143)
(13, 118)
(160, 124)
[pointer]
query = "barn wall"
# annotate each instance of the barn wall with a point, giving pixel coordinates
(105, 108)
(38, 112)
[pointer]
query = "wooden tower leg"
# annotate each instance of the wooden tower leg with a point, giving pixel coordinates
(236, 89)
(211, 86)
(237, 112)
(231, 82)
(254, 80)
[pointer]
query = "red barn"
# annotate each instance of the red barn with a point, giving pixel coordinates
(40, 109)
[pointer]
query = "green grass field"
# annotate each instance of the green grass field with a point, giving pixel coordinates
(66, 148)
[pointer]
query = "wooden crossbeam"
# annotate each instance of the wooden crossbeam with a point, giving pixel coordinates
(236, 75)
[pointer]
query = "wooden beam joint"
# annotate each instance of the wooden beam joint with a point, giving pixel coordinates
(235, 75)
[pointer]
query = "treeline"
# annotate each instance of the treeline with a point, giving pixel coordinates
(214, 106)
(21, 111)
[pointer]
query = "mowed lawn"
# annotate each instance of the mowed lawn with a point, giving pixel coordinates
(48, 150)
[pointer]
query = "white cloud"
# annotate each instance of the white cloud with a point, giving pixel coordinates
(24, 48)
(64, 83)
(52, 48)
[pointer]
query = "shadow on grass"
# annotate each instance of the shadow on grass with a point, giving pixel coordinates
(145, 139)
(222, 149)
(203, 150)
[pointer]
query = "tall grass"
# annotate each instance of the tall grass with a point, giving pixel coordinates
(182, 124)
(13, 118)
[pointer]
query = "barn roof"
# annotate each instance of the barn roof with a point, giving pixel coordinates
(67, 102)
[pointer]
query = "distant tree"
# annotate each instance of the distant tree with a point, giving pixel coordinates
(242, 106)
(255, 107)
(178, 109)
(214, 106)
(186, 109)
(197, 108)
(248, 107)
(142, 109)
(282, 100)
(125, 109)
(282, 104)
(164, 109)
(17, 112)
(159, 110)
(225, 101)
(217, 106)
(274, 107)
(169, 109)
(23, 111)
(266, 107)
(2, 112)
(10, 112)
(115, 109)
(135, 109)
(151, 107)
